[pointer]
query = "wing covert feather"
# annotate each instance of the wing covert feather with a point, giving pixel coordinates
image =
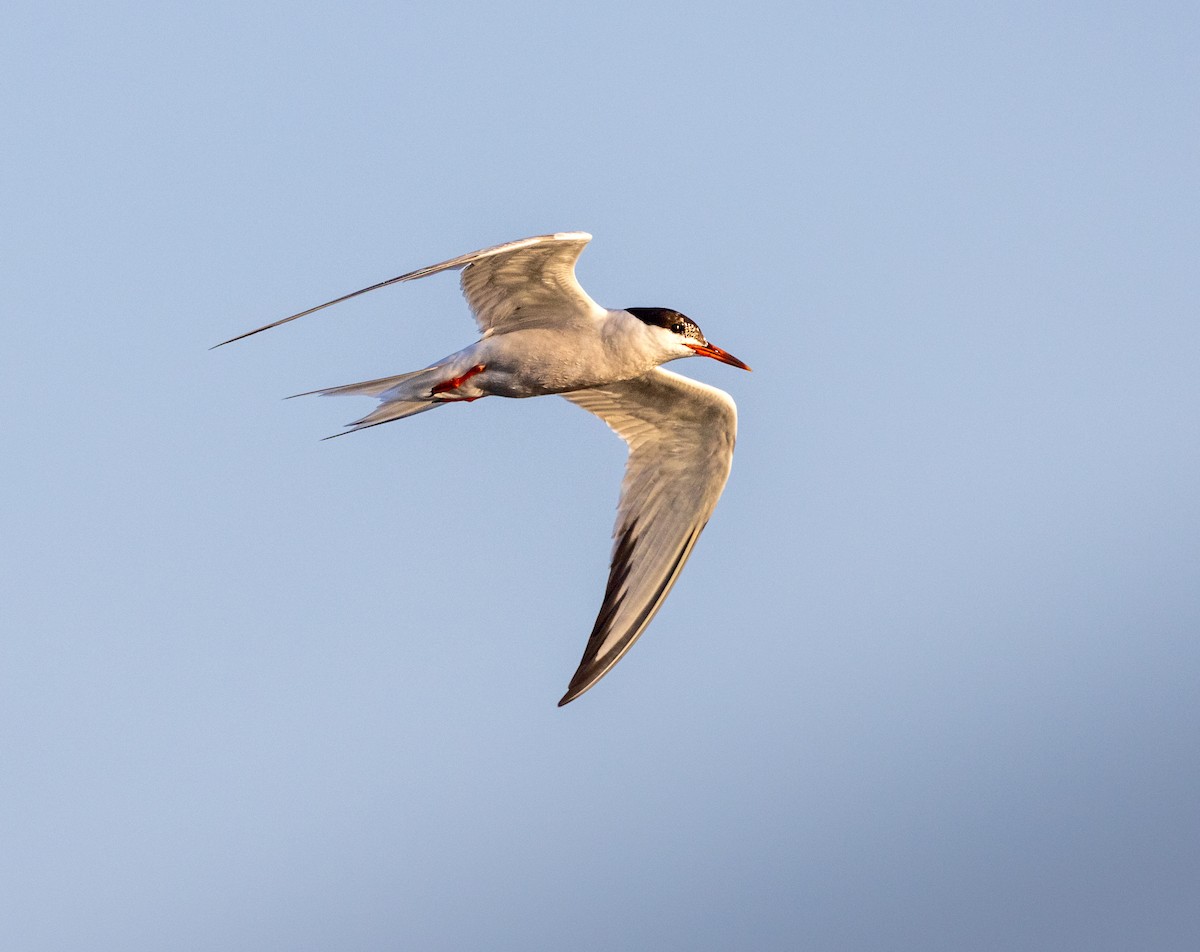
(531, 283)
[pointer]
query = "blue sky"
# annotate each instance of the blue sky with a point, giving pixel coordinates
(929, 679)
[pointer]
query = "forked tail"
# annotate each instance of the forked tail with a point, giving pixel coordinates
(401, 396)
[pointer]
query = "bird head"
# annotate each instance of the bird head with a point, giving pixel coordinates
(680, 336)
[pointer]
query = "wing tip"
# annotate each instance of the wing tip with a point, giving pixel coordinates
(590, 672)
(574, 689)
(232, 339)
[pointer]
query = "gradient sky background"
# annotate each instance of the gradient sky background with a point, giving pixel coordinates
(930, 680)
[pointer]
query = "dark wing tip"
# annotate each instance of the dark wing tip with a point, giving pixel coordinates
(590, 671)
(239, 337)
(578, 686)
(224, 342)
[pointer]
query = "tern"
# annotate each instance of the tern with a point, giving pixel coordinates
(542, 334)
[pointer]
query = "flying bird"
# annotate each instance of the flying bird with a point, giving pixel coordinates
(543, 334)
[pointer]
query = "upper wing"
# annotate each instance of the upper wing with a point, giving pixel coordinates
(680, 434)
(529, 279)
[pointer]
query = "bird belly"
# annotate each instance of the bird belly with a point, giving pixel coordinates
(535, 363)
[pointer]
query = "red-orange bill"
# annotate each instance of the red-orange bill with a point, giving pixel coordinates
(715, 352)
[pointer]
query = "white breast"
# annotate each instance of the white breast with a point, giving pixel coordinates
(535, 361)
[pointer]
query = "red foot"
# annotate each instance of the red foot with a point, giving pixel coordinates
(455, 382)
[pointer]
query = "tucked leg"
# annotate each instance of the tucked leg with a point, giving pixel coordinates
(441, 389)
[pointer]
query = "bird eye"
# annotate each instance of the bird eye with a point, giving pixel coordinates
(677, 328)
